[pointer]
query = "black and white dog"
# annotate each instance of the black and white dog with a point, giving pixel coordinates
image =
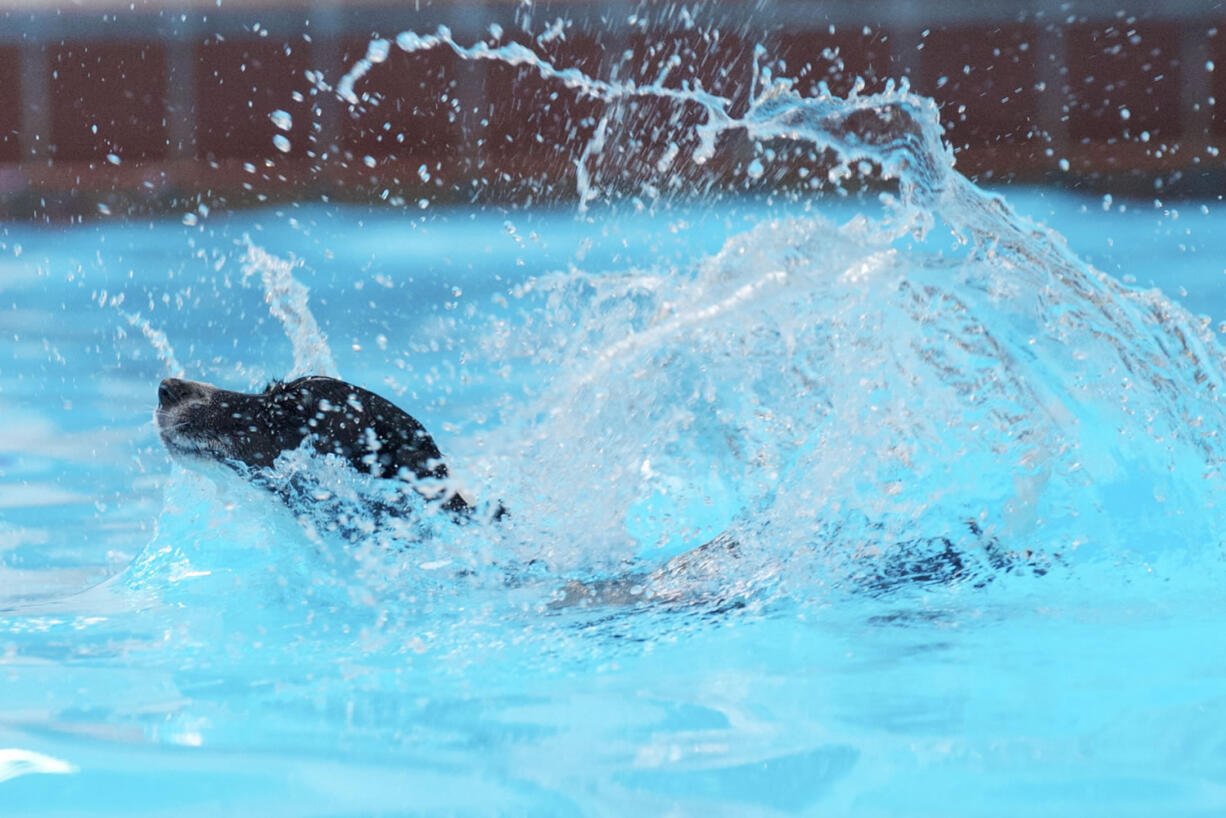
(249, 432)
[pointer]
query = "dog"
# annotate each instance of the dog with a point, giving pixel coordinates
(250, 432)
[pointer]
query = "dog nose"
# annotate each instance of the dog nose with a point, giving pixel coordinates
(171, 391)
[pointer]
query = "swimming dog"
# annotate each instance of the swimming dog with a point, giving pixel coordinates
(249, 432)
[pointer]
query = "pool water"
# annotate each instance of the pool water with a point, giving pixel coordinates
(824, 380)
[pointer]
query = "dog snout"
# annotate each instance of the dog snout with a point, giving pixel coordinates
(173, 390)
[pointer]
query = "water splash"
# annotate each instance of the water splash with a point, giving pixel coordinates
(161, 344)
(899, 131)
(517, 55)
(287, 301)
(514, 54)
(15, 762)
(856, 377)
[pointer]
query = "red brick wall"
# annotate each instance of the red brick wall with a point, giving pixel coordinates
(239, 83)
(509, 129)
(108, 98)
(10, 103)
(1124, 67)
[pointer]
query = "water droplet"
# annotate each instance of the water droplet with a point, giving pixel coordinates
(369, 161)
(281, 143)
(378, 50)
(190, 219)
(1125, 114)
(755, 169)
(103, 209)
(1064, 165)
(423, 173)
(282, 119)
(112, 158)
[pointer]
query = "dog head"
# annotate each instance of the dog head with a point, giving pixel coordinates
(373, 435)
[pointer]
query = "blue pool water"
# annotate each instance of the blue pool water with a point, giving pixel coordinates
(824, 379)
